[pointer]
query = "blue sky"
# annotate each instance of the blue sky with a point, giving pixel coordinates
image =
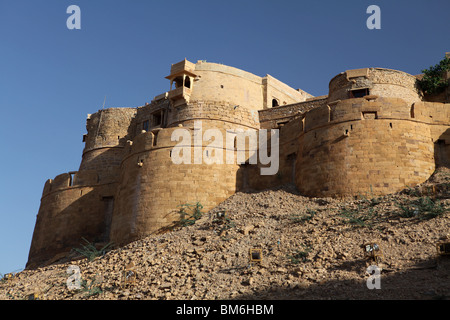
(52, 77)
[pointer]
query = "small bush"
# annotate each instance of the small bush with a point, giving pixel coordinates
(189, 213)
(423, 208)
(92, 288)
(90, 251)
(296, 218)
(358, 218)
(300, 255)
(224, 224)
(433, 81)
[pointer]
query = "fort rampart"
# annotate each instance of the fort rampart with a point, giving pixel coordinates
(373, 134)
(369, 146)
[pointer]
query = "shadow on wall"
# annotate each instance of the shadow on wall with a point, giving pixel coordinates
(106, 162)
(250, 176)
(86, 217)
(442, 150)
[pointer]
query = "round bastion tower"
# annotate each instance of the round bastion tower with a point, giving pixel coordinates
(202, 97)
(79, 204)
(108, 131)
(375, 136)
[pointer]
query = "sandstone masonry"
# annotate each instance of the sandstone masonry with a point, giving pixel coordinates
(373, 134)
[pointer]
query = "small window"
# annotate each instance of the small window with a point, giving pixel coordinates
(71, 178)
(187, 82)
(178, 82)
(281, 123)
(370, 115)
(359, 93)
(275, 103)
(155, 136)
(156, 119)
(145, 125)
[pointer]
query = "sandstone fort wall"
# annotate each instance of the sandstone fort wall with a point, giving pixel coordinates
(371, 135)
(152, 187)
(368, 147)
(378, 81)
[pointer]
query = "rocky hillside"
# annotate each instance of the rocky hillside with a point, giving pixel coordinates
(311, 248)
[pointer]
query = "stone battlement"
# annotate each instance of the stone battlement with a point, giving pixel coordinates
(370, 146)
(374, 81)
(71, 180)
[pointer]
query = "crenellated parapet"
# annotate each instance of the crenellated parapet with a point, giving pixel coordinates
(73, 206)
(107, 133)
(369, 146)
(374, 81)
(152, 186)
(108, 128)
(71, 180)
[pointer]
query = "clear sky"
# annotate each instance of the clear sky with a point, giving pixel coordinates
(52, 77)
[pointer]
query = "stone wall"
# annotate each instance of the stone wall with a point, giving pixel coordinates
(380, 82)
(71, 208)
(288, 146)
(108, 128)
(367, 147)
(152, 187)
(279, 92)
(220, 83)
(225, 114)
(107, 132)
(274, 117)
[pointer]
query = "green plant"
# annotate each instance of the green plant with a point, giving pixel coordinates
(91, 288)
(189, 213)
(357, 217)
(433, 81)
(296, 218)
(300, 255)
(412, 191)
(224, 224)
(423, 208)
(90, 251)
(407, 211)
(373, 201)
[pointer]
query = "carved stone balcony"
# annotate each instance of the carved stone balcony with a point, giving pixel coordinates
(179, 95)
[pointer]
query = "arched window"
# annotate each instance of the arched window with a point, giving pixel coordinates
(187, 82)
(275, 103)
(178, 82)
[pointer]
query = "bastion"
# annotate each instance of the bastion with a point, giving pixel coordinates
(374, 133)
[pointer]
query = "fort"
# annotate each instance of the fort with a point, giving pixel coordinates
(374, 133)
